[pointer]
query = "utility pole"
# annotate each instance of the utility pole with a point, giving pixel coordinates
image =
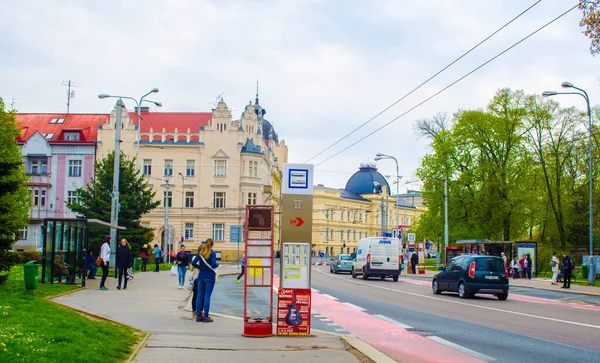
(445, 215)
(182, 202)
(115, 206)
(167, 231)
(70, 94)
(382, 216)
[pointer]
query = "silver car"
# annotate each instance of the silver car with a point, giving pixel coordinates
(343, 263)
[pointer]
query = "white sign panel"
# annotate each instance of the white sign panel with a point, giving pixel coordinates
(295, 265)
(298, 179)
(411, 237)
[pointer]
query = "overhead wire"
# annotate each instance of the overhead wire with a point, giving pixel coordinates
(450, 85)
(426, 81)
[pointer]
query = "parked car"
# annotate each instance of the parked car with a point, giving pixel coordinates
(471, 274)
(343, 263)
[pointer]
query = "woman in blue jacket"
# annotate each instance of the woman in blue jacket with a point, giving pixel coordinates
(156, 253)
(206, 263)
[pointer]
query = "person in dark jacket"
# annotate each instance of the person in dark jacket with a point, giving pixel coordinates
(195, 290)
(183, 261)
(90, 264)
(243, 264)
(414, 260)
(206, 263)
(567, 266)
(123, 262)
(529, 267)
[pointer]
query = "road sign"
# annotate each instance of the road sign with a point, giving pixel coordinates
(396, 232)
(321, 254)
(411, 237)
(427, 244)
(298, 221)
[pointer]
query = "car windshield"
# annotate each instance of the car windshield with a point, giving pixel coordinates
(489, 264)
(345, 258)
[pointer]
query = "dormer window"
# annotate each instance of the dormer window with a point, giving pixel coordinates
(49, 136)
(57, 121)
(71, 136)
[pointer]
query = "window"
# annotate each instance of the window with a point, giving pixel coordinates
(38, 166)
(168, 167)
(348, 218)
(189, 199)
(341, 234)
(49, 136)
(251, 198)
(72, 197)
(219, 200)
(189, 231)
(57, 121)
(348, 235)
(71, 136)
(74, 167)
(190, 167)
(167, 199)
(23, 233)
(332, 214)
(327, 233)
(354, 237)
(39, 198)
(147, 167)
(145, 224)
(253, 169)
(220, 167)
(218, 232)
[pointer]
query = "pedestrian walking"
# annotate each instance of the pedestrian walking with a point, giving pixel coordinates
(144, 256)
(90, 265)
(123, 262)
(243, 264)
(528, 266)
(514, 265)
(206, 263)
(156, 253)
(183, 261)
(414, 260)
(522, 267)
(567, 267)
(554, 264)
(105, 256)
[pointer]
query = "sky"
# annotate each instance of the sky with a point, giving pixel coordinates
(324, 66)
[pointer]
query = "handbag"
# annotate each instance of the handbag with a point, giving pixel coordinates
(174, 270)
(210, 267)
(192, 279)
(129, 274)
(99, 261)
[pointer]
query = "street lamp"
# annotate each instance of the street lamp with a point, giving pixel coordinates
(583, 93)
(384, 156)
(182, 191)
(139, 118)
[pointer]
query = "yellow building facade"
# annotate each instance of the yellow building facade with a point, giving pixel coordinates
(341, 217)
(205, 168)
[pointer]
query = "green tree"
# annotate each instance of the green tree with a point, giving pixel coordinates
(15, 199)
(591, 22)
(136, 198)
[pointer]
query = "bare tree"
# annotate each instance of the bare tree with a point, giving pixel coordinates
(429, 128)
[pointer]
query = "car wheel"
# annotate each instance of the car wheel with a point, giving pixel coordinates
(502, 296)
(364, 275)
(382, 277)
(353, 274)
(335, 271)
(395, 278)
(331, 270)
(435, 287)
(462, 291)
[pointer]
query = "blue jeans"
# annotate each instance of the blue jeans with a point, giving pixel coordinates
(205, 289)
(181, 270)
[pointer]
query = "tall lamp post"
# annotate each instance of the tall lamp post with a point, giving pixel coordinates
(380, 156)
(182, 191)
(583, 93)
(114, 208)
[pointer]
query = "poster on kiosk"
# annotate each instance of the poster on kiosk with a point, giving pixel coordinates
(294, 297)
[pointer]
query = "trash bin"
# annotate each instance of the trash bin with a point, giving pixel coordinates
(30, 272)
(137, 263)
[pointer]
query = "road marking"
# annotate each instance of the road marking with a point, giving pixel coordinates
(467, 304)
(332, 324)
(354, 306)
(330, 297)
(395, 322)
(315, 290)
(324, 319)
(461, 349)
(340, 330)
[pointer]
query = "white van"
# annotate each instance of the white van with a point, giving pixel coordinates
(378, 256)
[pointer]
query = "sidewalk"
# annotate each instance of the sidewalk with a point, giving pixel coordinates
(154, 304)
(534, 283)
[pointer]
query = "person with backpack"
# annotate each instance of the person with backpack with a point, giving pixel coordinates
(567, 267)
(206, 263)
(156, 253)
(554, 264)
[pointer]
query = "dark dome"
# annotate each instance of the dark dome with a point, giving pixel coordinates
(362, 181)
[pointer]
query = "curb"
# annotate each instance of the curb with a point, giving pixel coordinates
(139, 347)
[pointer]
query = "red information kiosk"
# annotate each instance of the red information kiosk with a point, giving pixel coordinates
(258, 235)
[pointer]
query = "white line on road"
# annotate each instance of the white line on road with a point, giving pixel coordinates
(332, 324)
(330, 297)
(446, 301)
(395, 322)
(354, 306)
(461, 349)
(324, 319)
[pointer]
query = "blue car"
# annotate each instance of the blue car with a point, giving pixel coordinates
(343, 263)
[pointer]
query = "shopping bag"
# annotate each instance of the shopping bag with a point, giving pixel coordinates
(174, 271)
(129, 274)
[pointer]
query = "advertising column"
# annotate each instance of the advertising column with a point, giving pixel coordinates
(294, 299)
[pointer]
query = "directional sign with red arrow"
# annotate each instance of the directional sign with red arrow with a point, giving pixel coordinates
(298, 221)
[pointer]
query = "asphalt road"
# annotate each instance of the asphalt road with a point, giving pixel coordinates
(531, 326)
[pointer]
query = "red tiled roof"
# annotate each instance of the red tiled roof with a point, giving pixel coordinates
(172, 120)
(86, 123)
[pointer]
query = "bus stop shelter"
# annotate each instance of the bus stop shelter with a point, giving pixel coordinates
(511, 249)
(65, 244)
